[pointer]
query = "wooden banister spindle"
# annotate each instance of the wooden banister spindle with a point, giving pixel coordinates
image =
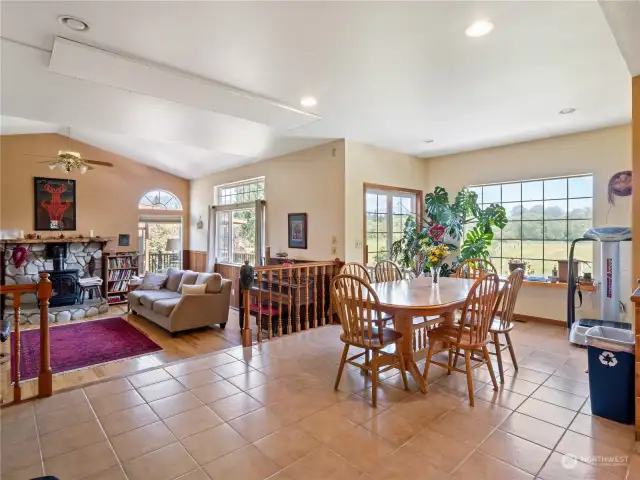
(17, 391)
(246, 327)
(269, 322)
(259, 314)
(45, 377)
(290, 304)
(299, 288)
(280, 302)
(324, 298)
(330, 319)
(315, 297)
(306, 298)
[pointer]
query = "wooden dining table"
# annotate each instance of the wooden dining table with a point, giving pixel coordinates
(407, 299)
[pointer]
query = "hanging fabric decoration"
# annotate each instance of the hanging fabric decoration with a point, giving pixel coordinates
(619, 185)
(19, 256)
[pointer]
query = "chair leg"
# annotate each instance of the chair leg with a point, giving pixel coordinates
(374, 379)
(487, 358)
(496, 343)
(467, 361)
(341, 367)
(511, 350)
(428, 361)
(403, 370)
(455, 358)
(367, 361)
(450, 362)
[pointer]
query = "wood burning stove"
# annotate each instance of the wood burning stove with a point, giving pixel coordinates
(65, 287)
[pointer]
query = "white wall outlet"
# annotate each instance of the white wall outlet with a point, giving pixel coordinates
(358, 243)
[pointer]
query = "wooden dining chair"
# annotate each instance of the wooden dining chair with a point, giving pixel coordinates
(474, 268)
(357, 269)
(387, 271)
(470, 334)
(356, 302)
(503, 318)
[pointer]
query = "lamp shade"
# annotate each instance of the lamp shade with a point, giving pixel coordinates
(173, 245)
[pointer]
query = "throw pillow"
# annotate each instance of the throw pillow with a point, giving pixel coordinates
(194, 289)
(152, 281)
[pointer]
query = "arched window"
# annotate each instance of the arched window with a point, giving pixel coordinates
(159, 200)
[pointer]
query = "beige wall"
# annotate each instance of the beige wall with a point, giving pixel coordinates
(107, 198)
(601, 152)
(368, 164)
(308, 181)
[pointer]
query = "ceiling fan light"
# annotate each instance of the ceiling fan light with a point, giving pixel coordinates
(83, 169)
(52, 166)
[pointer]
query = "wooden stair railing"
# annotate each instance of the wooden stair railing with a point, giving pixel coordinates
(42, 289)
(303, 289)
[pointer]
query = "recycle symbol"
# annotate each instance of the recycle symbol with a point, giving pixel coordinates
(608, 359)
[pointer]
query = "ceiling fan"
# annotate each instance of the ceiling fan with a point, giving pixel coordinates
(68, 160)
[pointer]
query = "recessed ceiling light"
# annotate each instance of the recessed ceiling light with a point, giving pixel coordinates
(308, 102)
(73, 23)
(429, 140)
(479, 28)
(566, 111)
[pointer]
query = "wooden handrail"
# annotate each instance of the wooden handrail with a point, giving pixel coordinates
(635, 298)
(43, 290)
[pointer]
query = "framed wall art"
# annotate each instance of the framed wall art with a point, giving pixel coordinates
(297, 230)
(54, 203)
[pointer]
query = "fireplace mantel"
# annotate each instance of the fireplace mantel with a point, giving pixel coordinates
(20, 241)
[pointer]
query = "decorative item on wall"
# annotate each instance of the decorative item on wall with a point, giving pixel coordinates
(54, 203)
(619, 186)
(297, 230)
(123, 240)
(200, 224)
(19, 256)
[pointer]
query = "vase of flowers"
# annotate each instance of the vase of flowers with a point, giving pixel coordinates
(436, 255)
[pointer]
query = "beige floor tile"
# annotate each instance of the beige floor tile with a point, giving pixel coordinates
(462, 428)
(257, 424)
(175, 404)
(142, 440)
(195, 475)
(300, 380)
(614, 434)
(213, 443)
(126, 420)
(560, 398)
(538, 364)
(518, 385)
(567, 385)
(249, 380)
(362, 448)
(547, 412)
(235, 406)
(81, 463)
(215, 391)
(529, 375)
(532, 429)
(484, 412)
(504, 398)
(586, 408)
(232, 369)
(439, 450)
(50, 421)
(247, 463)
(148, 378)
(72, 438)
(357, 409)
(193, 421)
(113, 473)
(19, 430)
(167, 463)
(59, 401)
(576, 374)
(387, 395)
(160, 390)
(185, 368)
(591, 451)
(270, 393)
(16, 412)
(393, 427)
(325, 425)
(287, 445)
(279, 369)
(19, 455)
(198, 379)
(322, 464)
(299, 405)
(404, 464)
(561, 467)
(32, 471)
(117, 402)
(418, 408)
(515, 451)
(218, 359)
(458, 382)
(104, 389)
(549, 357)
(483, 467)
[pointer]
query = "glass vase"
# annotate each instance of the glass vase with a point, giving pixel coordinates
(435, 275)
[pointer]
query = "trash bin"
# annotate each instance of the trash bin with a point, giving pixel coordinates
(611, 373)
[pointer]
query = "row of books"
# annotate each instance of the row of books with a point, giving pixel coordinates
(116, 298)
(121, 262)
(118, 286)
(120, 275)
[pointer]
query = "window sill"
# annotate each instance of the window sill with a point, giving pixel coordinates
(558, 285)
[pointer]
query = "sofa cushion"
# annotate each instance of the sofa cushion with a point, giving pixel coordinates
(150, 297)
(152, 281)
(165, 306)
(189, 277)
(213, 281)
(194, 289)
(174, 277)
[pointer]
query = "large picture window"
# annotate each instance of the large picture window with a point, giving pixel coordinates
(544, 217)
(241, 192)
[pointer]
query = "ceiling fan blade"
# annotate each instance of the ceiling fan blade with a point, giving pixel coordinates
(98, 162)
(41, 156)
(48, 161)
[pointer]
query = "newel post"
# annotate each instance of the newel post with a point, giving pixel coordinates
(246, 283)
(45, 377)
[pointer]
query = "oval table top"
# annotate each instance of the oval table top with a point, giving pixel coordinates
(416, 294)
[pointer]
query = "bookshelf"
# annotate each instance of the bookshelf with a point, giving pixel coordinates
(118, 269)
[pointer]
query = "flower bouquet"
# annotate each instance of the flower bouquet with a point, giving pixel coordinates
(436, 254)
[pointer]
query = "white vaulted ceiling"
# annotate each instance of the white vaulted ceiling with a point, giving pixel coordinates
(198, 87)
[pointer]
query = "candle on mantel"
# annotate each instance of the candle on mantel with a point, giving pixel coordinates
(91, 233)
(21, 234)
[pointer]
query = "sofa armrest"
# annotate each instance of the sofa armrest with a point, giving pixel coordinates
(194, 311)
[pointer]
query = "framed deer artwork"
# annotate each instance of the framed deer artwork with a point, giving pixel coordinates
(54, 203)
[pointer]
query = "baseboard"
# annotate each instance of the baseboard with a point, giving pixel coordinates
(531, 318)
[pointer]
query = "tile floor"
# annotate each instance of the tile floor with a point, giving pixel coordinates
(271, 412)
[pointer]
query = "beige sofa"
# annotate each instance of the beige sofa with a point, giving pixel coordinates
(174, 312)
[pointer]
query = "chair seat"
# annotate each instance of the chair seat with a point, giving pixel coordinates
(389, 336)
(497, 328)
(449, 333)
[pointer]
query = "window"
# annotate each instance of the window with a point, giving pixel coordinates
(159, 200)
(241, 192)
(545, 216)
(386, 211)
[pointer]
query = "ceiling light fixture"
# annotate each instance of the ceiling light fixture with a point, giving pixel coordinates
(74, 23)
(566, 111)
(429, 140)
(308, 102)
(479, 28)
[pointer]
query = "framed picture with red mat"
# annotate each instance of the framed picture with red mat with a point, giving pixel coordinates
(54, 203)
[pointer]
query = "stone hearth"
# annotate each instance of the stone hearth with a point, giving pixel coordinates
(30, 313)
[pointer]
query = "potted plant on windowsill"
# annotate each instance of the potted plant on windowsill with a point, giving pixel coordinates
(516, 263)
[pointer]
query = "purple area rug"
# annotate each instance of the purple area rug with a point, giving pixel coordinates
(82, 345)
